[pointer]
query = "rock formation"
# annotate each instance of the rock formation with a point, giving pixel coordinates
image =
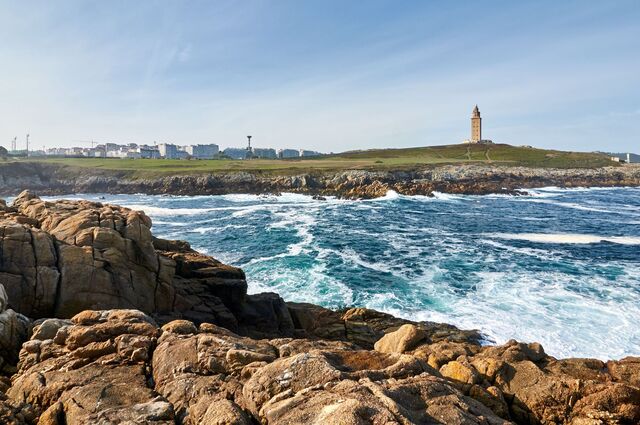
(60, 258)
(462, 179)
(127, 328)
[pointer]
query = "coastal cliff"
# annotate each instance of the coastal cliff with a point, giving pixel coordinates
(101, 322)
(56, 179)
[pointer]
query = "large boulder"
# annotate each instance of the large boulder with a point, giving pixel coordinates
(60, 258)
(404, 339)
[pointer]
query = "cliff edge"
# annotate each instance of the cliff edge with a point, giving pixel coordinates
(475, 179)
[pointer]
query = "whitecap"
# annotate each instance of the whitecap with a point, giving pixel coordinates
(389, 196)
(566, 238)
(568, 205)
(447, 196)
(164, 212)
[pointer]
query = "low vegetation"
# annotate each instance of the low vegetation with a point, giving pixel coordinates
(383, 159)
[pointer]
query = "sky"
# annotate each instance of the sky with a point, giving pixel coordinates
(320, 74)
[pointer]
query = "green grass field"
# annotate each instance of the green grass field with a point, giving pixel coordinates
(409, 158)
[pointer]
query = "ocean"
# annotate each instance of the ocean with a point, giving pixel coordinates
(560, 266)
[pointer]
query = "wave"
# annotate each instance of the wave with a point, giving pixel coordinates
(566, 238)
(389, 196)
(569, 205)
(217, 229)
(168, 212)
(558, 189)
(447, 196)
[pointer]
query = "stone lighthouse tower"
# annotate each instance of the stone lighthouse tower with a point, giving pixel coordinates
(476, 126)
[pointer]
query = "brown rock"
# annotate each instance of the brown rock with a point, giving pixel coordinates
(224, 412)
(626, 370)
(460, 371)
(183, 327)
(404, 339)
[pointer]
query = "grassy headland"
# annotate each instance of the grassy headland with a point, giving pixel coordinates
(375, 159)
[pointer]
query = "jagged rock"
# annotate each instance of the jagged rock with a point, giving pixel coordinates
(118, 365)
(469, 179)
(317, 321)
(54, 266)
(88, 376)
(625, 370)
(12, 413)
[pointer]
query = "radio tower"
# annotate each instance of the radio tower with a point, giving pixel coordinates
(27, 145)
(13, 144)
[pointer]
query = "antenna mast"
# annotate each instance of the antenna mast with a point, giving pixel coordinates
(27, 145)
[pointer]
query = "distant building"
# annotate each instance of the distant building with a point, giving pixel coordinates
(147, 152)
(476, 128)
(236, 153)
(111, 147)
(168, 151)
(203, 151)
(476, 125)
(73, 152)
(180, 154)
(309, 153)
(264, 153)
(288, 153)
(56, 151)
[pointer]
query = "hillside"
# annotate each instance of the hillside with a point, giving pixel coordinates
(378, 159)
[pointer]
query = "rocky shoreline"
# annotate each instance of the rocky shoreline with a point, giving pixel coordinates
(101, 322)
(54, 179)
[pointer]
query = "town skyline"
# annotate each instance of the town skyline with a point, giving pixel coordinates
(321, 76)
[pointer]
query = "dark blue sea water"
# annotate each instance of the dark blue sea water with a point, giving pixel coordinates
(561, 267)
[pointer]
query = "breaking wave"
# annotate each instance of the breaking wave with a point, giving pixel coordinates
(560, 266)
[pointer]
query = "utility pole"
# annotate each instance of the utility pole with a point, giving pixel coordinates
(27, 145)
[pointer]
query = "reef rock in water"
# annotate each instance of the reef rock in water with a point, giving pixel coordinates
(102, 323)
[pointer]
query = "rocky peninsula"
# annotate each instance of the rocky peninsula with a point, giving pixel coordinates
(478, 179)
(101, 323)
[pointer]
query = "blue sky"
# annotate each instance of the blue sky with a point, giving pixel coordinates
(326, 75)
